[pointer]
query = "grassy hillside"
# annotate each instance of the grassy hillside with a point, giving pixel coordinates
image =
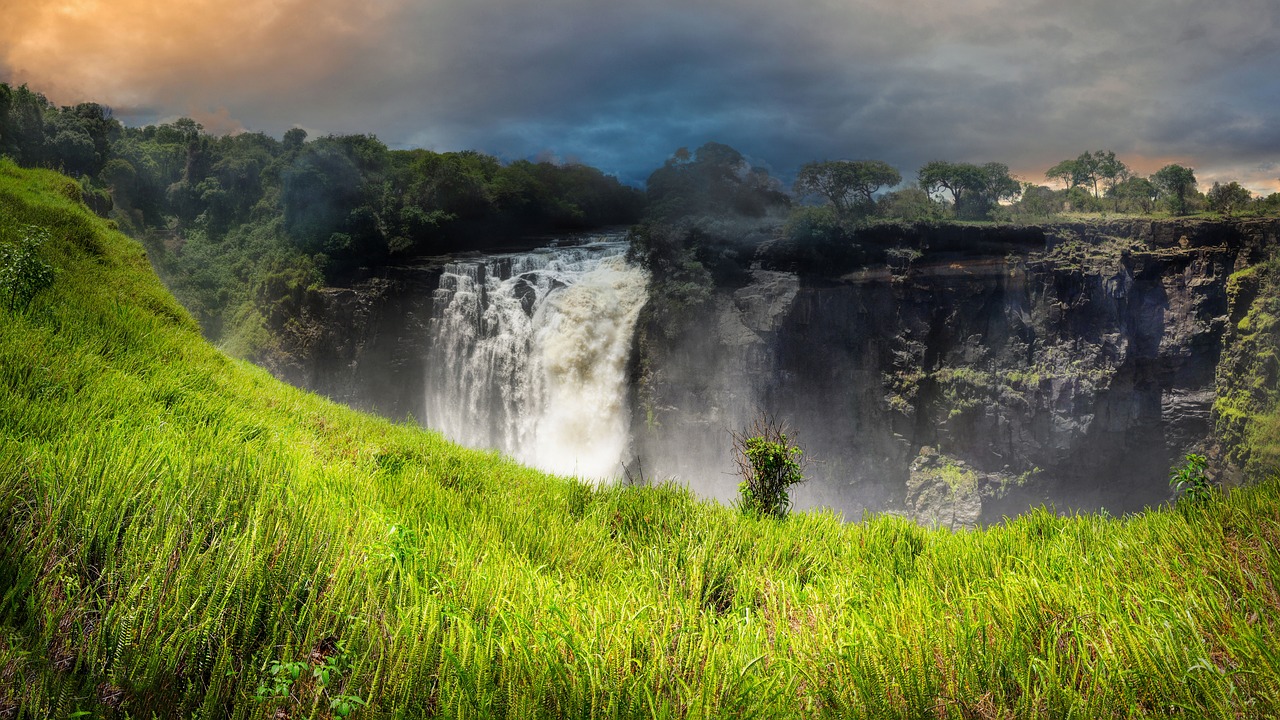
(184, 536)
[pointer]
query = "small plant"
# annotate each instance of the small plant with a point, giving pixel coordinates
(1191, 480)
(344, 705)
(287, 681)
(333, 666)
(280, 684)
(901, 258)
(769, 461)
(22, 273)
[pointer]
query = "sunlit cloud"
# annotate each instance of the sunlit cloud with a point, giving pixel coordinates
(622, 84)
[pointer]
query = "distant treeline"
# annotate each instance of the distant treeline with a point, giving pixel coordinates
(709, 208)
(245, 220)
(240, 225)
(715, 180)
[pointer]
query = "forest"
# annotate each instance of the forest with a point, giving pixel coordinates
(239, 220)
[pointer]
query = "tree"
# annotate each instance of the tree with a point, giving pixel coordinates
(1228, 198)
(1069, 173)
(317, 193)
(911, 204)
(294, 138)
(956, 178)
(714, 180)
(1111, 170)
(23, 135)
(1136, 193)
(1038, 201)
(1175, 182)
(996, 184)
(975, 189)
(849, 185)
(1089, 169)
(1080, 172)
(1088, 165)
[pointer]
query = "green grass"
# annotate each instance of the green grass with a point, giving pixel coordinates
(178, 525)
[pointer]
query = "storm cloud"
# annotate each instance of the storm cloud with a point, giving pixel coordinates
(620, 85)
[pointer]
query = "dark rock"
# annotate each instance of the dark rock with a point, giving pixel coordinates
(1079, 357)
(1083, 354)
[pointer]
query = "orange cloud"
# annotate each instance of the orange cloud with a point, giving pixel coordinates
(133, 52)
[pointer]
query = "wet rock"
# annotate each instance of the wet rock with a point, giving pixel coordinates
(1089, 356)
(765, 302)
(942, 492)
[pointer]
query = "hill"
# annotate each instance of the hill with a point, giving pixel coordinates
(185, 536)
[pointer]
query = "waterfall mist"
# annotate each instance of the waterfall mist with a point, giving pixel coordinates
(527, 354)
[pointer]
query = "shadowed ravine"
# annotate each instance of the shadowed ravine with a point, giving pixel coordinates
(1068, 365)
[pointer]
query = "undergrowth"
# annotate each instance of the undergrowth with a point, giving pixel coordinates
(182, 533)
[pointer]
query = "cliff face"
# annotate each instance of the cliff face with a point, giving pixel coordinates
(968, 374)
(956, 374)
(362, 346)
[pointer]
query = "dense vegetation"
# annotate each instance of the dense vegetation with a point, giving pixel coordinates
(238, 223)
(243, 227)
(184, 536)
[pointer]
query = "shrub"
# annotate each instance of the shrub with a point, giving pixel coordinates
(769, 461)
(1191, 481)
(22, 273)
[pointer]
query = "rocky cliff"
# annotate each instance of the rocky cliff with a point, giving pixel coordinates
(959, 374)
(360, 345)
(953, 373)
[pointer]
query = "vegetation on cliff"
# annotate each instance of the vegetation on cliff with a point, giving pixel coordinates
(1247, 409)
(185, 536)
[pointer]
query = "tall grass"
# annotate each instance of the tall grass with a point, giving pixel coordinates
(181, 533)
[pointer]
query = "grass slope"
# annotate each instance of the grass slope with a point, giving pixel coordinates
(184, 536)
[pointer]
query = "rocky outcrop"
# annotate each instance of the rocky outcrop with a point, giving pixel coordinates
(361, 345)
(1081, 355)
(944, 492)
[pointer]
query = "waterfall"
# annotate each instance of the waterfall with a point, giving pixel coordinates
(528, 355)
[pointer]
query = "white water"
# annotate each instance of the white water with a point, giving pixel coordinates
(528, 355)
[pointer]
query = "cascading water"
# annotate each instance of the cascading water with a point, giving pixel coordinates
(528, 355)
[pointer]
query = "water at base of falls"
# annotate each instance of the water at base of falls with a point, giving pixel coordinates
(528, 355)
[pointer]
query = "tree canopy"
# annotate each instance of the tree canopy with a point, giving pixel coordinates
(1228, 198)
(849, 185)
(223, 217)
(713, 180)
(1175, 182)
(975, 189)
(1099, 171)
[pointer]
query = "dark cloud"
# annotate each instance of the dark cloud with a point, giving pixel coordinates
(622, 84)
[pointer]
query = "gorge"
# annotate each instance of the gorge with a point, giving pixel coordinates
(956, 374)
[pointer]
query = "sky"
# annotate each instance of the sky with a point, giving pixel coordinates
(621, 84)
